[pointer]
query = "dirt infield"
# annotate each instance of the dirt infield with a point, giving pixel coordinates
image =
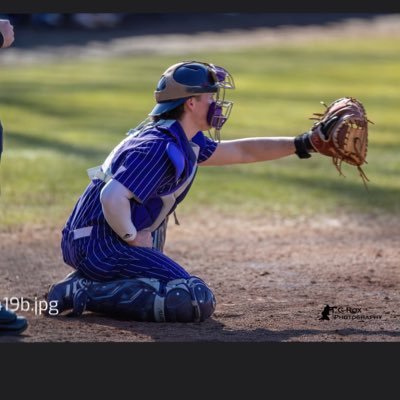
(272, 277)
(272, 280)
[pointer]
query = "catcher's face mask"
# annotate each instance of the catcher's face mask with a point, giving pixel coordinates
(190, 78)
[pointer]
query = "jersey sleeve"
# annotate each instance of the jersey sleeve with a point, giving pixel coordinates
(206, 144)
(144, 170)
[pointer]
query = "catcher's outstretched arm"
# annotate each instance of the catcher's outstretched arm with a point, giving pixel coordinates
(250, 150)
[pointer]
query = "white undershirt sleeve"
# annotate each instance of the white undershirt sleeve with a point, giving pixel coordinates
(115, 201)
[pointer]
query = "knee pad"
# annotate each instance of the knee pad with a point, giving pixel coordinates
(183, 300)
(148, 299)
(203, 297)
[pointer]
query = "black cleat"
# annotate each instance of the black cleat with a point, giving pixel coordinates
(61, 293)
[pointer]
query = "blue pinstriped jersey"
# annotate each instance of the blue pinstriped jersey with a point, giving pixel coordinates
(145, 164)
(141, 163)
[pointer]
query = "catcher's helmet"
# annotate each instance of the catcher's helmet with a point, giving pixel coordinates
(190, 78)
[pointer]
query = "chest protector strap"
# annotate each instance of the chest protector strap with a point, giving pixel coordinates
(178, 159)
(169, 200)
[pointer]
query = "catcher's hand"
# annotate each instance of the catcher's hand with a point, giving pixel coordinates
(341, 132)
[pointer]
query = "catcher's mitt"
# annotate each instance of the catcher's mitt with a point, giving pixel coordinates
(341, 132)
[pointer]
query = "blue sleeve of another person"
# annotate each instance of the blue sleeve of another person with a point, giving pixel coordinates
(145, 169)
(207, 146)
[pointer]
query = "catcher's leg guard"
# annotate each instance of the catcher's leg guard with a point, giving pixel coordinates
(60, 295)
(124, 298)
(143, 299)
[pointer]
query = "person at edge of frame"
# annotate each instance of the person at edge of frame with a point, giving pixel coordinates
(10, 322)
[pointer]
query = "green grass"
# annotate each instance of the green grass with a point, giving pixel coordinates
(62, 118)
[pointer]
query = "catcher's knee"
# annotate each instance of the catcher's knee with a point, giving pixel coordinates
(188, 300)
(144, 299)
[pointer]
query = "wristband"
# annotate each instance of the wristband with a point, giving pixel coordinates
(303, 145)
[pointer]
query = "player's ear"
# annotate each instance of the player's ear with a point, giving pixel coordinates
(189, 103)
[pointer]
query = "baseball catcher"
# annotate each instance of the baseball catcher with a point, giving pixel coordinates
(341, 132)
(114, 237)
